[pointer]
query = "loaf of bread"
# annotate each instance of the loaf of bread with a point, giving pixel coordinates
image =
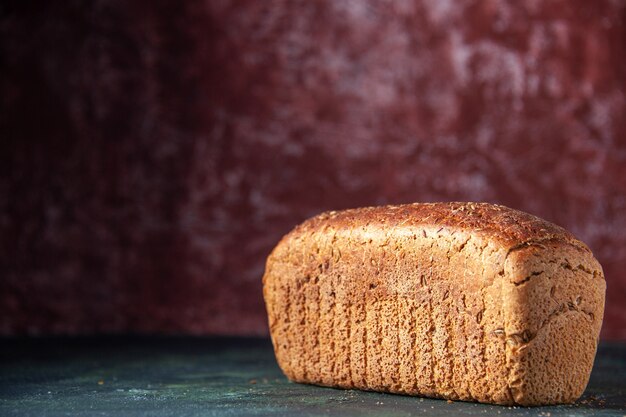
(461, 301)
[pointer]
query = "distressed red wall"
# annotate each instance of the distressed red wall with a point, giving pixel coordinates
(153, 154)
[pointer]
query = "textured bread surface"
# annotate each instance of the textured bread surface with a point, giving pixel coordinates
(462, 301)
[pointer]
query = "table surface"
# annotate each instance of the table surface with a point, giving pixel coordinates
(187, 376)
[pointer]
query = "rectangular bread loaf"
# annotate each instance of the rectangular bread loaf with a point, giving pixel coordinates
(462, 301)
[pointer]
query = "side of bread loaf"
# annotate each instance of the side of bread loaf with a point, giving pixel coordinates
(461, 301)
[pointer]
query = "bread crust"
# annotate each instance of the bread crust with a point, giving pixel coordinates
(462, 301)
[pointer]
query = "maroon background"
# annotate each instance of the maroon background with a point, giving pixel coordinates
(153, 153)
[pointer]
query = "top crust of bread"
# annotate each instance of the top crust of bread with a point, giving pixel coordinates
(501, 224)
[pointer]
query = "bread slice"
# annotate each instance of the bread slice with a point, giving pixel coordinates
(462, 301)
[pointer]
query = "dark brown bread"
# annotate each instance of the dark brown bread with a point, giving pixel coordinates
(463, 301)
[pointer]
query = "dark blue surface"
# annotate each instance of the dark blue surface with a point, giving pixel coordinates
(226, 377)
